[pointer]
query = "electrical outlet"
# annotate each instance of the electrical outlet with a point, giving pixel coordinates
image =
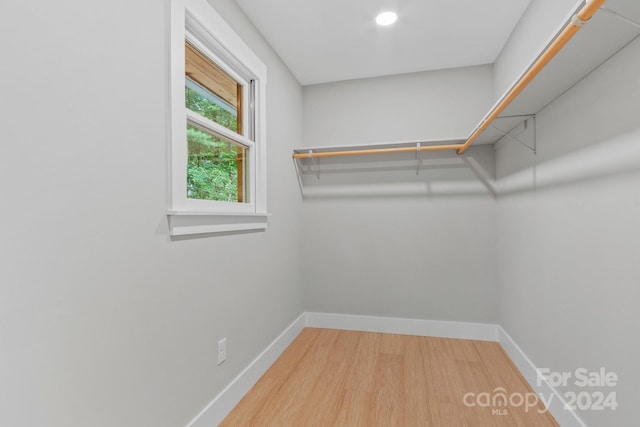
(222, 350)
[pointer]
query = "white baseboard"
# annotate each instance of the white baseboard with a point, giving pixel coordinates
(393, 325)
(228, 398)
(564, 417)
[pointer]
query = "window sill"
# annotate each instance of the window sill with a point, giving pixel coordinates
(185, 223)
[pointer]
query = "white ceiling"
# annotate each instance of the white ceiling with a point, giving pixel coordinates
(331, 40)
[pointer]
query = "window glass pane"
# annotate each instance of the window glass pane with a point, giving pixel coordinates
(216, 168)
(212, 92)
(210, 106)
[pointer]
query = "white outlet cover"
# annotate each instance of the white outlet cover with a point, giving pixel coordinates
(222, 350)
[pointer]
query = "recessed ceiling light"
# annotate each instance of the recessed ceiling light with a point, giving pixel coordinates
(386, 18)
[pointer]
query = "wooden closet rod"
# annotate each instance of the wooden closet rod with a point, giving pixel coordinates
(415, 149)
(576, 22)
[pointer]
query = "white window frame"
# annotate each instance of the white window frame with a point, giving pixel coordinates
(197, 21)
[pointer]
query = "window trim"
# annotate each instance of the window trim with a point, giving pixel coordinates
(197, 22)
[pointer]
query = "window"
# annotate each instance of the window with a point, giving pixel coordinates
(216, 166)
(217, 143)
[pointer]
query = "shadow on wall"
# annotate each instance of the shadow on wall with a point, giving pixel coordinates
(614, 157)
(443, 174)
(433, 174)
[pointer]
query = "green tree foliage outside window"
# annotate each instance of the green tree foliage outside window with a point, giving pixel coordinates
(212, 165)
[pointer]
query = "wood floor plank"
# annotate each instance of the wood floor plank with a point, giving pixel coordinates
(361, 376)
(476, 381)
(503, 374)
(445, 384)
(252, 403)
(416, 380)
(357, 408)
(326, 396)
(345, 378)
(284, 407)
(390, 391)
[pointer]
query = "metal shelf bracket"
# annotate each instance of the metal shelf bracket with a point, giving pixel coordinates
(314, 162)
(531, 118)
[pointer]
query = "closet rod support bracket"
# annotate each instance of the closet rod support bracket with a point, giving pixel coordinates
(534, 147)
(314, 162)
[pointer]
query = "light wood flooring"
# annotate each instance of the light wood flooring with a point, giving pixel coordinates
(342, 378)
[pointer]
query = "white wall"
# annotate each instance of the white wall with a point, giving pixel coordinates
(445, 104)
(569, 234)
(104, 321)
(400, 252)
